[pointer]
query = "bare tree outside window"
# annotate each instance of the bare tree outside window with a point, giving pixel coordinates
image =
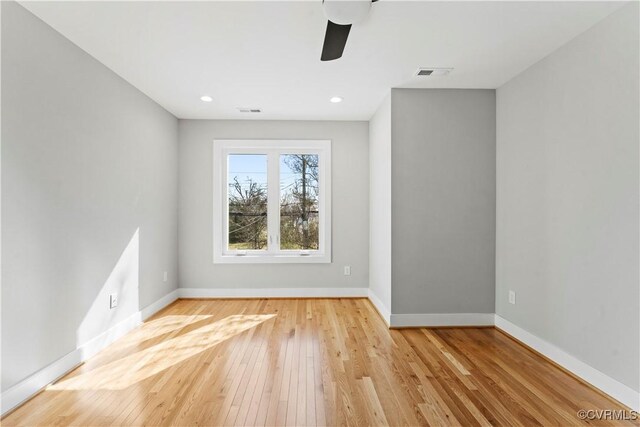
(247, 201)
(299, 195)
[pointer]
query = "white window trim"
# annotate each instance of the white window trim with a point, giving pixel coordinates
(272, 148)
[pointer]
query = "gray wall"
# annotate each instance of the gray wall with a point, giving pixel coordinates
(567, 237)
(443, 200)
(350, 205)
(86, 161)
(380, 203)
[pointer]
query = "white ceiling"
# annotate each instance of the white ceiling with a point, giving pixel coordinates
(267, 54)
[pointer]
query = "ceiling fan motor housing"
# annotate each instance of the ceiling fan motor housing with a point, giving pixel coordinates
(346, 12)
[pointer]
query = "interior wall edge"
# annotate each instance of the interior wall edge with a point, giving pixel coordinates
(161, 303)
(382, 309)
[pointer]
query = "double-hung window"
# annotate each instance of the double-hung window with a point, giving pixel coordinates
(271, 201)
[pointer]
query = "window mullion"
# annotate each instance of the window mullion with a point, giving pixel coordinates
(224, 199)
(273, 202)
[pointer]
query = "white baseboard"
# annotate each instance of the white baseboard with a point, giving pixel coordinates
(155, 307)
(94, 345)
(441, 319)
(274, 293)
(608, 385)
(26, 388)
(35, 382)
(382, 309)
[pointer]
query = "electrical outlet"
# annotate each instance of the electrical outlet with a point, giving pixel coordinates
(512, 297)
(113, 301)
(347, 270)
(165, 277)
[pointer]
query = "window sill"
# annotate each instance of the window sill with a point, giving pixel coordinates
(272, 259)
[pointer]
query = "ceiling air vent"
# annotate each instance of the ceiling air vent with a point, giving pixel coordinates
(424, 72)
(249, 110)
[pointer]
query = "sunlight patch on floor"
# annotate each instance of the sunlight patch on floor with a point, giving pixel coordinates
(139, 366)
(160, 326)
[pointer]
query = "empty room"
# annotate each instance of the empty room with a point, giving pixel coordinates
(320, 213)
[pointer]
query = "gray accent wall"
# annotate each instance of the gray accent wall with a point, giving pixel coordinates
(350, 206)
(568, 198)
(89, 197)
(380, 204)
(443, 200)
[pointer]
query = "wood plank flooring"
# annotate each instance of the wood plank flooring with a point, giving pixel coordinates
(300, 362)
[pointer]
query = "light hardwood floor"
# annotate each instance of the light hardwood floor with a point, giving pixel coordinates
(302, 362)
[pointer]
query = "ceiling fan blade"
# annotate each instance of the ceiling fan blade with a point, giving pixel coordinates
(335, 40)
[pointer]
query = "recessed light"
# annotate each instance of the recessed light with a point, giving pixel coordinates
(336, 99)
(206, 98)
